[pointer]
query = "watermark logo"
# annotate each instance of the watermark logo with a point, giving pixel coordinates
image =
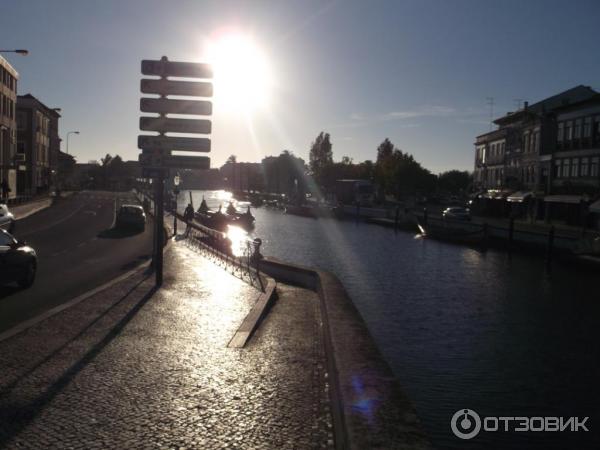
(466, 424)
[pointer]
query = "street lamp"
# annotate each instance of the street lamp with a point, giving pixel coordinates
(19, 51)
(68, 134)
(176, 181)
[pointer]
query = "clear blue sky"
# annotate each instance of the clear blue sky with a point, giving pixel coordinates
(418, 72)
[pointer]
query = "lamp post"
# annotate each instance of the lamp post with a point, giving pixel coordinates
(176, 181)
(68, 134)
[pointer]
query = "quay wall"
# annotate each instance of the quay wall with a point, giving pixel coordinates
(370, 407)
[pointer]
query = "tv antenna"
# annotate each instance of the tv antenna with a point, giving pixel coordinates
(490, 103)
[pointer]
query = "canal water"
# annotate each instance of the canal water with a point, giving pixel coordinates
(461, 328)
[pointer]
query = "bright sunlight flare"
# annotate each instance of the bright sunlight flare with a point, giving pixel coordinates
(242, 77)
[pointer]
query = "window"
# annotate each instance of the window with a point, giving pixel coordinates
(561, 132)
(597, 128)
(587, 127)
(20, 147)
(566, 168)
(526, 142)
(21, 120)
(575, 167)
(594, 167)
(569, 131)
(503, 148)
(577, 129)
(557, 164)
(584, 167)
(534, 141)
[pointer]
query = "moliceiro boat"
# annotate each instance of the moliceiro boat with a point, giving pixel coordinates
(217, 220)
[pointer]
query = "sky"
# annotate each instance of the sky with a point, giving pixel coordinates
(419, 72)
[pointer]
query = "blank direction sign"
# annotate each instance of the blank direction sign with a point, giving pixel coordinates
(168, 87)
(170, 106)
(176, 69)
(166, 125)
(174, 143)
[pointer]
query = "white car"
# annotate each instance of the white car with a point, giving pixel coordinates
(7, 219)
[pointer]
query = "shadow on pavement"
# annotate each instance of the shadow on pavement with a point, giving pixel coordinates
(14, 417)
(119, 233)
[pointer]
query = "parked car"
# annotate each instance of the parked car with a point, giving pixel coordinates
(131, 216)
(18, 261)
(456, 213)
(7, 220)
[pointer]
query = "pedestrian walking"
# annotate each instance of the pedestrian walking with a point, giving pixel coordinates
(188, 216)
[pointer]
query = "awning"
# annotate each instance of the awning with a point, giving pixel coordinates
(575, 199)
(519, 196)
(595, 207)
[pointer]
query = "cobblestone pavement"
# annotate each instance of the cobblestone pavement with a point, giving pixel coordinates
(136, 368)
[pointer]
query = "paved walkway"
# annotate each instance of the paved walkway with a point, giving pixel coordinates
(132, 367)
(27, 209)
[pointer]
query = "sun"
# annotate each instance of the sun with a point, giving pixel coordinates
(242, 78)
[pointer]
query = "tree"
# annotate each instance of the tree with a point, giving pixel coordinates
(321, 156)
(231, 160)
(454, 181)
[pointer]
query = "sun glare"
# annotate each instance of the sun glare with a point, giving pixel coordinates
(241, 73)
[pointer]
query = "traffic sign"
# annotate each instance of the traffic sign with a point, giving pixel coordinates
(186, 162)
(174, 143)
(169, 87)
(170, 106)
(153, 157)
(165, 125)
(153, 172)
(164, 68)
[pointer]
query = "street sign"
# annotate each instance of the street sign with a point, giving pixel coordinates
(174, 143)
(153, 157)
(176, 69)
(165, 125)
(186, 162)
(170, 106)
(153, 172)
(168, 87)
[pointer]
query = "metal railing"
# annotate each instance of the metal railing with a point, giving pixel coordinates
(217, 245)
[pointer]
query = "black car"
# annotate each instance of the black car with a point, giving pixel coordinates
(18, 261)
(131, 216)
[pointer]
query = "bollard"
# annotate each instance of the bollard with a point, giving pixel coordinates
(396, 218)
(424, 216)
(511, 230)
(550, 244)
(256, 255)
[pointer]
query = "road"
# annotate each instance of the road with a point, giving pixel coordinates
(78, 249)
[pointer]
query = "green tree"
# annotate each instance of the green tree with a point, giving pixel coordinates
(454, 181)
(321, 156)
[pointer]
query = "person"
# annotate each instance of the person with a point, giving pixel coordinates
(5, 190)
(188, 216)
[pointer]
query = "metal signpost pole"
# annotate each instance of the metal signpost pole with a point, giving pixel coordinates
(159, 230)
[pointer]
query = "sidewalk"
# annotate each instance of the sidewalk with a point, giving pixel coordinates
(132, 367)
(27, 209)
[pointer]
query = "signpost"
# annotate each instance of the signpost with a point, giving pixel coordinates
(156, 158)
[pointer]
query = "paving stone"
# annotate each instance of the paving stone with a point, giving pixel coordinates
(133, 368)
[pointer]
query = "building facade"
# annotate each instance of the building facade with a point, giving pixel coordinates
(576, 157)
(38, 145)
(8, 126)
(534, 148)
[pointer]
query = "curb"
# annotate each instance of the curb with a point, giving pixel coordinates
(52, 312)
(35, 210)
(255, 316)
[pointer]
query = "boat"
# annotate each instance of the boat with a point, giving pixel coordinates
(445, 233)
(244, 220)
(215, 220)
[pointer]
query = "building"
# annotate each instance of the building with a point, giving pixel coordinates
(576, 156)
(8, 125)
(38, 145)
(519, 154)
